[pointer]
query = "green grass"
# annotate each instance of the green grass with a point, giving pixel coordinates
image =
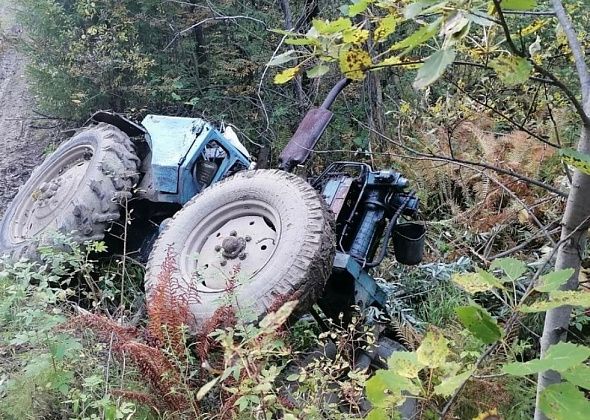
(438, 307)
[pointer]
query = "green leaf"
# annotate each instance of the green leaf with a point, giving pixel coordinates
(455, 23)
(301, 41)
(385, 389)
(476, 282)
(385, 27)
(512, 267)
(422, 7)
(512, 70)
(564, 402)
(560, 357)
(579, 375)
(396, 383)
(325, 27)
(286, 75)
(433, 350)
(554, 280)
(358, 6)
(417, 38)
(64, 346)
(318, 71)
(433, 68)
(518, 4)
(559, 298)
(283, 58)
(449, 385)
(580, 161)
(405, 364)
(377, 414)
(480, 323)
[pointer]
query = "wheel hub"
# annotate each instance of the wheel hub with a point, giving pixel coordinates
(233, 246)
(235, 249)
(55, 188)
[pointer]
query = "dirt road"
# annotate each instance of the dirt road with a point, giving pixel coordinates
(22, 142)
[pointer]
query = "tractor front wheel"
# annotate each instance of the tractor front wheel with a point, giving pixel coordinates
(252, 241)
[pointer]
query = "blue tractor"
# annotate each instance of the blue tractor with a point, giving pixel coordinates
(266, 234)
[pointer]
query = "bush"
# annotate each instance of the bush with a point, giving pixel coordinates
(87, 55)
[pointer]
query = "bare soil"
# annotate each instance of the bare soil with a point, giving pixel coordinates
(24, 134)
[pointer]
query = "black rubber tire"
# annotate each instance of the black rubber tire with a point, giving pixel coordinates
(111, 173)
(302, 260)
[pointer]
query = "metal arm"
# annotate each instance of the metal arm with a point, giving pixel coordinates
(334, 92)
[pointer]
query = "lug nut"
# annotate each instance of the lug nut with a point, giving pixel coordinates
(233, 233)
(248, 238)
(223, 263)
(242, 256)
(217, 248)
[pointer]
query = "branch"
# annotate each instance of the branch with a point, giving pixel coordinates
(577, 51)
(529, 13)
(468, 162)
(506, 117)
(215, 18)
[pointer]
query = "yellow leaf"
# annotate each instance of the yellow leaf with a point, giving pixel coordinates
(487, 415)
(385, 27)
(405, 364)
(286, 75)
(354, 62)
(390, 61)
(534, 27)
(433, 350)
(355, 36)
(476, 282)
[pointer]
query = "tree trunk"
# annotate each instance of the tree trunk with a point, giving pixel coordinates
(298, 87)
(375, 98)
(574, 223)
(575, 219)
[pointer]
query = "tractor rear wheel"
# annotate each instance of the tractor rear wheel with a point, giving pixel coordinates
(253, 241)
(75, 191)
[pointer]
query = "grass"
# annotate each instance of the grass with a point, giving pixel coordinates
(438, 307)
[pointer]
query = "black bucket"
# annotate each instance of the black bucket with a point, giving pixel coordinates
(408, 243)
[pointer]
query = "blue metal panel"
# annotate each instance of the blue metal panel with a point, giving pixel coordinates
(176, 144)
(171, 138)
(366, 290)
(188, 187)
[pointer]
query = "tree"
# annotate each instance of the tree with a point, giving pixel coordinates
(577, 212)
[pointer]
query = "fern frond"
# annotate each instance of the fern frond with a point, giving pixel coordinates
(406, 333)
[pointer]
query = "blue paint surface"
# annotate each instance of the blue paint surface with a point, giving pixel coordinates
(176, 144)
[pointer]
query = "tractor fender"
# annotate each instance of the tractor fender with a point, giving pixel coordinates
(129, 127)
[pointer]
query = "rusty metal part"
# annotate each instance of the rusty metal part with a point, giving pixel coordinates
(305, 138)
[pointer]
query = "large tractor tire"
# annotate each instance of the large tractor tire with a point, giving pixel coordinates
(76, 191)
(254, 240)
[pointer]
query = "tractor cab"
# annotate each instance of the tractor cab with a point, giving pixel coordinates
(186, 156)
